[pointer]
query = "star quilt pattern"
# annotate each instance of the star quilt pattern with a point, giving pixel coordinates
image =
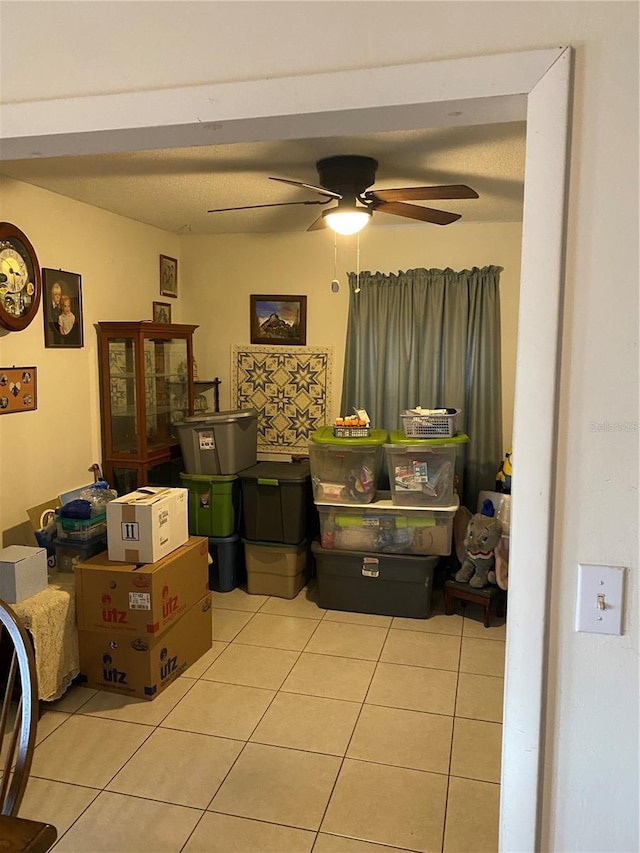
(290, 390)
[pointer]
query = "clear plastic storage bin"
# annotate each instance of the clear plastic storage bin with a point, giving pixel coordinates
(383, 527)
(345, 470)
(81, 529)
(424, 472)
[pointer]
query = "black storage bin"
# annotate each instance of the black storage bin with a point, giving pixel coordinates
(367, 582)
(226, 569)
(277, 502)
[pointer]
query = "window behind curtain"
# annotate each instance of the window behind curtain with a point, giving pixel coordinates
(431, 338)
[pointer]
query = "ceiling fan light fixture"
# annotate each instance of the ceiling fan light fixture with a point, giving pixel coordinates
(347, 221)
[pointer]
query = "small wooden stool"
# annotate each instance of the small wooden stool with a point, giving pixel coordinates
(483, 597)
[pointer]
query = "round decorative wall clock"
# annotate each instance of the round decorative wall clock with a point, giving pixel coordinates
(20, 279)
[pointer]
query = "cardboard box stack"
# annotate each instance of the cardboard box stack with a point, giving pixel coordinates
(143, 606)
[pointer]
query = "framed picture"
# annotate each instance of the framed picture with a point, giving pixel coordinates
(278, 319)
(62, 308)
(161, 312)
(168, 276)
(18, 389)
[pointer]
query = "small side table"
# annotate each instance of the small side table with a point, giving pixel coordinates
(484, 597)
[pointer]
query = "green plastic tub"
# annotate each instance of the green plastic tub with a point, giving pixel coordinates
(214, 504)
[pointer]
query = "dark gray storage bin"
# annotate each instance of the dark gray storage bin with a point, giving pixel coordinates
(277, 502)
(222, 443)
(367, 582)
(226, 569)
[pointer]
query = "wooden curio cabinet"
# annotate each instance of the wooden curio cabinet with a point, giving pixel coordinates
(146, 387)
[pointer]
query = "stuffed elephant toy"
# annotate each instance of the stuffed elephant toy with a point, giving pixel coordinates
(483, 535)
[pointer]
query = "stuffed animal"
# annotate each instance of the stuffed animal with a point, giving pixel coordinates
(505, 471)
(483, 535)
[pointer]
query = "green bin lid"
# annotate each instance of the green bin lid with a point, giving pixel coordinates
(397, 436)
(324, 435)
(207, 478)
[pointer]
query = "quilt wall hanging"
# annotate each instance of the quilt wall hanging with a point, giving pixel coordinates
(290, 390)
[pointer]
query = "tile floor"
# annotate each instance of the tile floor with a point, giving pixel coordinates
(302, 731)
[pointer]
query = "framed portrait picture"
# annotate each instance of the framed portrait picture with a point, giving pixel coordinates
(161, 312)
(168, 276)
(278, 319)
(62, 308)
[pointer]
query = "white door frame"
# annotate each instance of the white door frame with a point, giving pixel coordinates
(532, 85)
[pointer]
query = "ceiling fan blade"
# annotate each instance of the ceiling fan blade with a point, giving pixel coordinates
(423, 193)
(320, 190)
(275, 204)
(414, 211)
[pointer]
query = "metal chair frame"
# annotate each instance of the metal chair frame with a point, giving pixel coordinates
(17, 734)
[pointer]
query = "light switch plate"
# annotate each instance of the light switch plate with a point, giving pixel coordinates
(600, 597)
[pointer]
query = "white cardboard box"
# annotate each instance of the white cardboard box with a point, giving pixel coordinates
(23, 572)
(146, 525)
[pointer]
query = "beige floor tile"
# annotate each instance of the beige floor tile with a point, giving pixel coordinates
(277, 632)
(114, 822)
(278, 785)
(304, 605)
(437, 623)
(388, 805)
(403, 738)
(333, 677)
(338, 844)
(72, 699)
(480, 697)
(358, 618)
(252, 666)
(177, 767)
(221, 833)
(346, 640)
(202, 664)
(308, 722)
(472, 817)
(48, 723)
(482, 657)
(415, 688)
(227, 624)
(439, 651)
(225, 710)
(131, 710)
(474, 624)
(55, 802)
(87, 751)
(476, 751)
(237, 599)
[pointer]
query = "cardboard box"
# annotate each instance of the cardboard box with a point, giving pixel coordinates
(23, 572)
(143, 666)
(127, 598)
(146, 525)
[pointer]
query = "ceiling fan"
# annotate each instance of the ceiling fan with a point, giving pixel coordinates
(346, 179)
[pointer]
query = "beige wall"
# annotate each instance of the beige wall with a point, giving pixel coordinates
(46, 452)
(219, 272)
(118, 261)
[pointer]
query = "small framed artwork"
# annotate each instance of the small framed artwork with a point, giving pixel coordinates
(62, 308)
(18, 386)
(168, 276)
(278, 320)
(161, 312)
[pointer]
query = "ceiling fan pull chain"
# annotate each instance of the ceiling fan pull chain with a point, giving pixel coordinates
(357, 290)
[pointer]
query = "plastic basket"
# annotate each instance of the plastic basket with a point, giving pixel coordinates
(430, 425)
(351, 432)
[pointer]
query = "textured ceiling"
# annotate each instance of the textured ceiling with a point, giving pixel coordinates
(173, 189)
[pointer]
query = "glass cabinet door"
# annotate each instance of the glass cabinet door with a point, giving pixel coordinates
(122, 391)
(166, 389)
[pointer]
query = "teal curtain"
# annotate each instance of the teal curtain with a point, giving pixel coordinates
(430, 338)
